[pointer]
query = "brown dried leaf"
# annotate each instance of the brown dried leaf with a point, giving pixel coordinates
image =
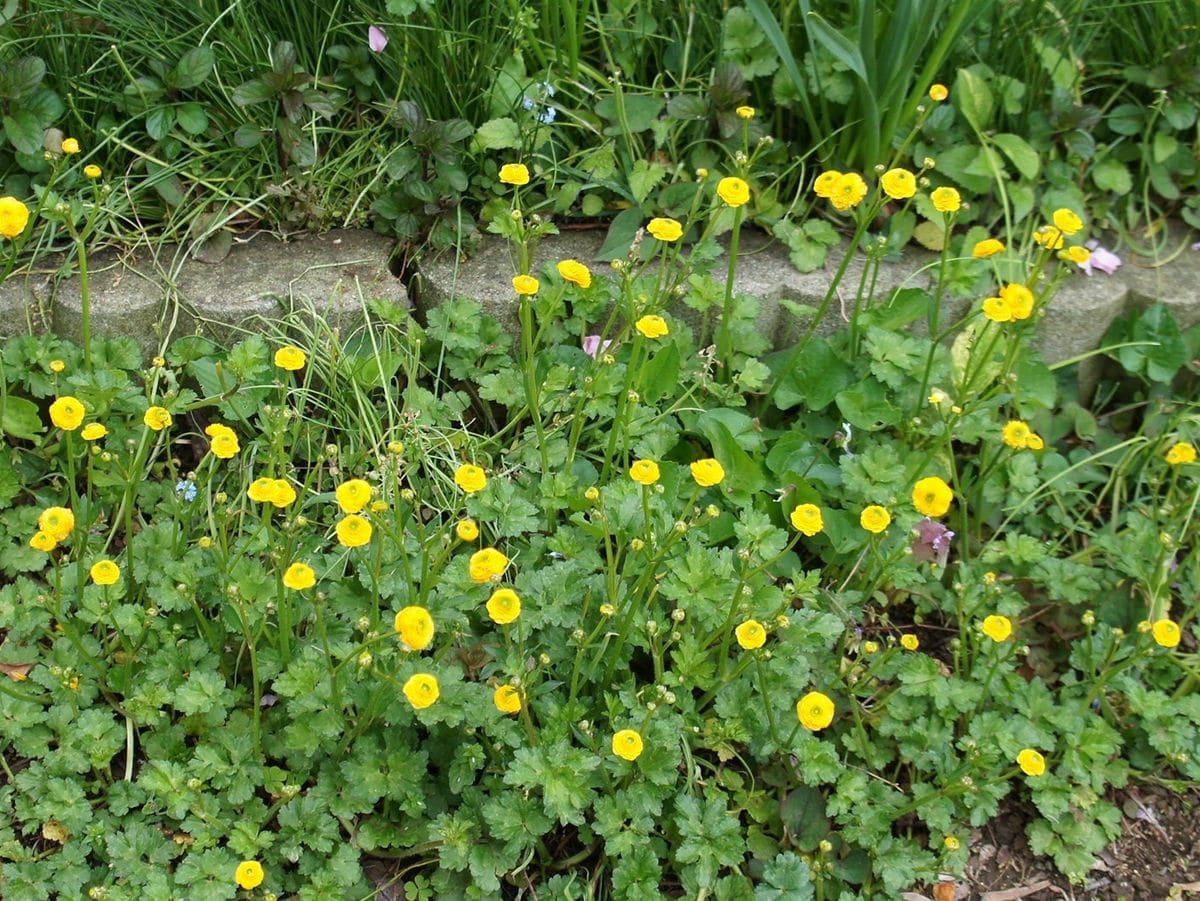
(1013, 894)
(944, 891)
(18, 672)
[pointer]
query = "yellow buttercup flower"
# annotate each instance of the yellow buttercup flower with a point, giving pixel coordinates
(1180, 453)
(1076, 255)
(575, 272)
(353, 495)
(1034, 441)
(652, 326)
(870, 647)
(909, 642)
(525, 285)
(1066, 221)
(666, 230)
(507, 699)
(627, 744)
(644, 472)
(874, 519)
(157, 418)
(938, 93)
(261, 490)
(470, 478)
(57, 366)
(504, 606)
(67, 413)
(996, 627)
(43, 541)
(1031, 762)
(282, 493)
(14, 216)
(248, 875)
(224, 441)
(932, 496)
(1166, 633)
(353, 531)
(745, 112)
(1016, 434)
(946, 200)
(57, 522)
(1019, 299)
(299, 576)
(815, 711)
(105, 572)
(733, 191)
(997, 309)
(707, 472)
(807, 520)
(898, 184)
(290, 358)
(514, 174)
(91, 171)
(988, 247)
(415, 627)
(750, 635)
(466, 530)
(951, 843)
(70, 146)
(486, 565)
(1049, 237)
(422, 690)
(825, 183)
(848, 191)
(592, 494)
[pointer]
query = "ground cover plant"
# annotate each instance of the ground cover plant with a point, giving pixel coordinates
(605, 599)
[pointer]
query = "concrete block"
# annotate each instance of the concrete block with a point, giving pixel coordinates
(127, 294)
(25, 301)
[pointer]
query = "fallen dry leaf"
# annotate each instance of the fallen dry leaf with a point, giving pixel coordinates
(1022, 891)
(944, 891)
(18, 672)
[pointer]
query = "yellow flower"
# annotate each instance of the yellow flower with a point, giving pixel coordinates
(57, 522)
(507, 699)
(14, 216)
(67, 413)
(938, 93)
(608, 610)
(353, 495)
(996, 627)
(946, 200)
(70, 146)
(997, 309)
(157, 418)
(1077, 255)
(299, 576)
(504, 606)
(249, 874)
(261, 490)
(1016, 434)
(290, 358)
(422, 690)
(951, 843)
(575, 272)
(592, 494)
(1019, 299)
(1180, 453)
(733, 191)
(666, 230)
(91, 171)
(745, 112)
(43, 541)
(653, 326)
(870, 647)
(57, 366)
(1034, 441)
(707, 472)
(1066, 221)
(486, 564)
(815, 711)
(514, 174)
(1031, 762)
(807, 520)
(627, 744)
(874, 519)
(353, 531)
(105, 572)
(1049, 237)
(909, 642)
(644, 472)
(848, 191)
(224, 441)
(466, 530)
(826, 182)
(898, 184)
(750, 635)
(525, 285)
(988, 247)
(415, 627)
(1166, 633)
(282, 493)
(470, 478)
(932, 496)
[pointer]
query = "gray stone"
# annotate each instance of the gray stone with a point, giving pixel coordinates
(127, 294)
(25, 301)
(1078, 314)
(1175, 283)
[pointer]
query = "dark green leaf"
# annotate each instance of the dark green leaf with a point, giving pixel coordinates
(195, 66)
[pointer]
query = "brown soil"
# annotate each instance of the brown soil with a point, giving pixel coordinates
(1159, 850)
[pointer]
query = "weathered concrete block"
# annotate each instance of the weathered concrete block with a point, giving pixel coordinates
(25, 301)
(1175, 283)
(1078, 314)
(127, 293)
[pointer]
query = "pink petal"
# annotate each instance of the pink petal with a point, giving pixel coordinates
(376, 39)
(1101, 259)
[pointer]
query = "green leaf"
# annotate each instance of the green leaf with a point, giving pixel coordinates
(1023, 156)
(10, 482)
(159, 122)
(565, 775)
(620, 235)
(635, 113)
(817, 378)
(191, 118)
(660, 376)
(786, 878)
(745, 477)
(867, 406)
(974, 99)
(195, 66)
(711, 837)
(1112, 175)
(19, 418)
(644, 177)
(24, 131)
(803, 815)
(497, 134)
(22, 76)
(251, 92)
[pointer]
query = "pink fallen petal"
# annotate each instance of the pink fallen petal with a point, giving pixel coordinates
(593, 346)
(376, 39)
(1102, 259)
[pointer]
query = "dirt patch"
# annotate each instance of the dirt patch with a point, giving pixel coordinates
(1159, 848)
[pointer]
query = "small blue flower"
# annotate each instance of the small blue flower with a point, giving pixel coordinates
(186, 489)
